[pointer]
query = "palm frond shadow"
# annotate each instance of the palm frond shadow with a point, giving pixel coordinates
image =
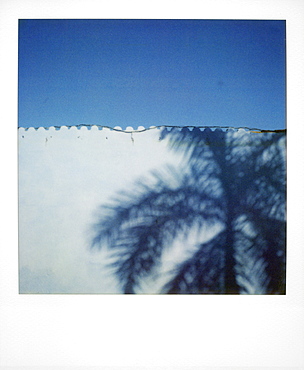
(235, 179)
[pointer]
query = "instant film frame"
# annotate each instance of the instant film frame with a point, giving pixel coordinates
(219, 72)
(272, 325)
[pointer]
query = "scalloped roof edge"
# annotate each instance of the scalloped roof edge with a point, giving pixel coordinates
(142, 128)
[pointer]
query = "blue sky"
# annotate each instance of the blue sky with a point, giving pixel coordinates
(152, 72)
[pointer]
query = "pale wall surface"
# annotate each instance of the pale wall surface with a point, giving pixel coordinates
(64, 177)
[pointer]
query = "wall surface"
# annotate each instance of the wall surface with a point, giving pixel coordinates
(64, 177)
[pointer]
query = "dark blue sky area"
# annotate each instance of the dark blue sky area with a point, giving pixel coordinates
(152, 72)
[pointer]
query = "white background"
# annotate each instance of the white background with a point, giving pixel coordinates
(154, 331)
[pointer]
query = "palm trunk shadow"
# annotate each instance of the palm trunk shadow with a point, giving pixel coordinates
(230, 176)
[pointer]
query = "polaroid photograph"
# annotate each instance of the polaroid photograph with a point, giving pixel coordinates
(153, 202)
(185, 210)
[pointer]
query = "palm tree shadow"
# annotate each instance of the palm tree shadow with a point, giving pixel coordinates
(236, 179)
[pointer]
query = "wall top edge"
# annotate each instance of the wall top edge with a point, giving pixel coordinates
(142, 128)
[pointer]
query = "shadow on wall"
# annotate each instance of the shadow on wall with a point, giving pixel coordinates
(232, 179)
